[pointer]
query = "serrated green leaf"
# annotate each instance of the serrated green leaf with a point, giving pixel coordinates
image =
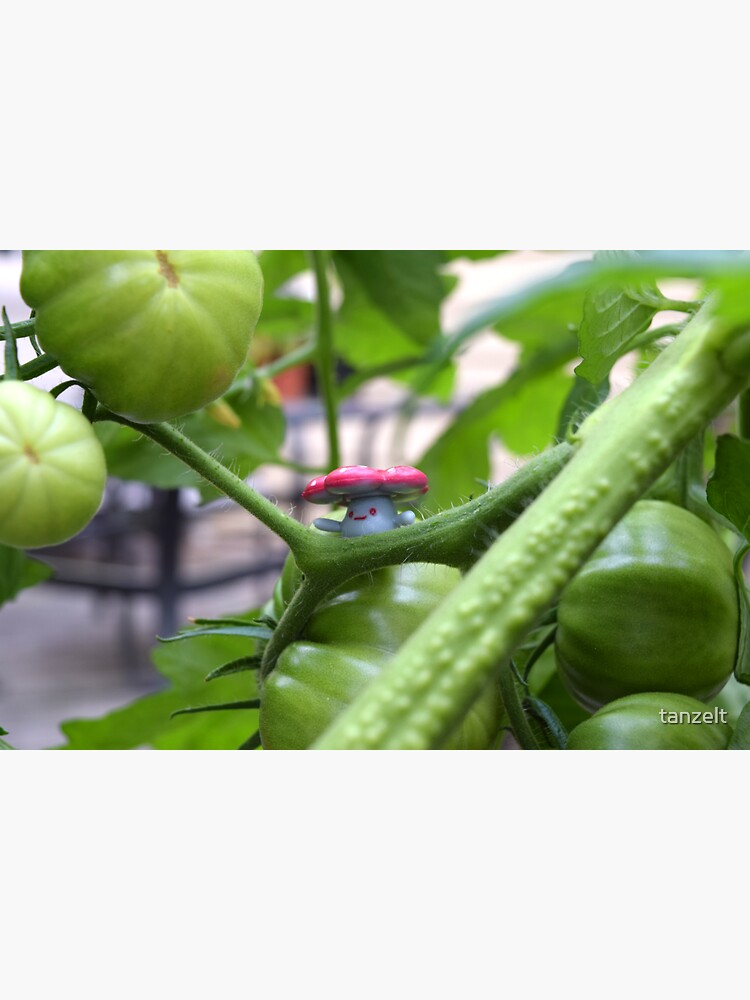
(741, 736)
(18, 571)
(612, 318)
(728, 489)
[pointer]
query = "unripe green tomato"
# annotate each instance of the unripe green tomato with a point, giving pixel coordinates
(642, 722)
(155, 334)
(654, 609)
(52, 468)
(346, 643)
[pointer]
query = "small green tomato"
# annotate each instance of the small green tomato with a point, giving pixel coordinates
(52, 468)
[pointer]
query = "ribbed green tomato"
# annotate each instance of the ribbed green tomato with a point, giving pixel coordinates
(652, 721)
(155, 334)
(654, 609)
(346, 643)
(52, 468)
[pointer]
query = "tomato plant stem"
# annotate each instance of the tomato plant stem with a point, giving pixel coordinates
(291, 531)
(325, 358)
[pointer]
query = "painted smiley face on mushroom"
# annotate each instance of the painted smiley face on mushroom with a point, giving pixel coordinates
(370, 496)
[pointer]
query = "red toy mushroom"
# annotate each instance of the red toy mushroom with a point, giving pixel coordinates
(369, 495)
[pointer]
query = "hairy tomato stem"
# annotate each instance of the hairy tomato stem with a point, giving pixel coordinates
(292, 532)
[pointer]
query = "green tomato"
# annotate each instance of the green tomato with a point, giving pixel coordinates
(652, 721)
(348, 640)
(155, 334)
(52, 468)
(654, 609)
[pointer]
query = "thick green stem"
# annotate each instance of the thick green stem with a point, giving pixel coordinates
(11, 354)
(36, 367)
(24, 328)
(292, 532)
(622, 448)
(306, 598)
(325, 358)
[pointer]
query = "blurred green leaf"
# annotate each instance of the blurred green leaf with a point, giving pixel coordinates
(728, 489)
(147, 722)
(405, 285)
(527, 421)
(522, 411)
(473, 254)
(612, 318)
(741, 736)
(18, 571)
(285, 314)
(280, 266)
(534, 313)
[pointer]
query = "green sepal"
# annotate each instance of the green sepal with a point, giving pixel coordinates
(534, 724)
(235, 667)
(549, 731)
(252, 630)
(227, 706)
(742, 663)
(252, 742)
(741, 737)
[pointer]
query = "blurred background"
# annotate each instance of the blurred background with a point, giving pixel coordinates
(79, 645)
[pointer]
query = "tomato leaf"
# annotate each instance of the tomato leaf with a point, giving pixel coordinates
(146, 721)
(612, 319)
(728, 490)
(741, 737)
(522, 412)
(472, 254)
(405, 285)
(18, 571)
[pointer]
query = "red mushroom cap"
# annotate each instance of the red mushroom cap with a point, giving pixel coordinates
(350, 481)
